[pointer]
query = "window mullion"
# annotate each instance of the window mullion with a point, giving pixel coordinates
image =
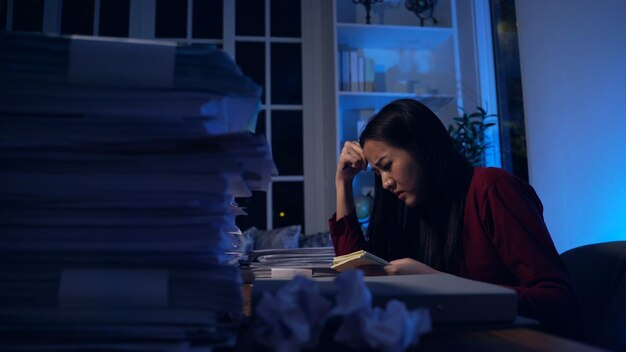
(52, 16)
(189, 30)
(9, 24)
(228, 27)
(268, 113)
(96, 18)
(142, 19)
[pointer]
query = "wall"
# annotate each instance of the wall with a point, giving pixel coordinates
(573, 62)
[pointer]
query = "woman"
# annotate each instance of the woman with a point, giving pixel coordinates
(434, 212)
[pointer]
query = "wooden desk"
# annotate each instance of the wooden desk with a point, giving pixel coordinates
(508, 340)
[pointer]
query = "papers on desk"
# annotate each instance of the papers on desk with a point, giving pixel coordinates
(286, 263)
(117, 185)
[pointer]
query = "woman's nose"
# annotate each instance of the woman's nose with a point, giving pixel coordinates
(388, 184)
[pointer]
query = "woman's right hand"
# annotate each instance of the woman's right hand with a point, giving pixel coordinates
(351, 162)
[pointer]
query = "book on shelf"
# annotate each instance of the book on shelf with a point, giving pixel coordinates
(356, 72)
(369, 75)
(360, 71)
(356, 259)
(344, 69)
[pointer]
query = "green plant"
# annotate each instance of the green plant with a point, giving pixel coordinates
(468, 135)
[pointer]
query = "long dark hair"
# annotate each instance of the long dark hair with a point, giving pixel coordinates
(430, 232)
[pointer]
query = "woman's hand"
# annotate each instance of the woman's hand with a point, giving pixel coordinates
(351, 162)
(405, 266)
(408, 266)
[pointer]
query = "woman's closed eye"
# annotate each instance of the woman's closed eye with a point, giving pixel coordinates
(385, 167)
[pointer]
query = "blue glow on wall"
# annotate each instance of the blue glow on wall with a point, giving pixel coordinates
(574, 81)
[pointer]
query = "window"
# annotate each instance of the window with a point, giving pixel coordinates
(287, 141)
(27, 15)
(3, 14)
(77, 17)
(251, 58)
(114, 18)
(208, 19)
(268, 48)
(509, 88)
(85, 17)
(171, 19)
(287, 203)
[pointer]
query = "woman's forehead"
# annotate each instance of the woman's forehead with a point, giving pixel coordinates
(375, 146)
(375, 150)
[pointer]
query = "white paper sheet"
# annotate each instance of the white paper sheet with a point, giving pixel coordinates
(99, 288)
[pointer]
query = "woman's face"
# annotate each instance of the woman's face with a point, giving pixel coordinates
(399, 171)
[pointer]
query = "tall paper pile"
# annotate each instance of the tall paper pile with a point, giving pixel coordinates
(120, 160)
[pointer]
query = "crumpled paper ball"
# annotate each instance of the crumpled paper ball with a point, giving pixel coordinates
(294, 317)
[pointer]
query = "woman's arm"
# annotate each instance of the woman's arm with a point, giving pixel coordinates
(345, 198)
(345, 230)
(351, 162)
(513, 215)
(346, 234)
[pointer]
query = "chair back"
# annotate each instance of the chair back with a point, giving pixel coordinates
(598, 273)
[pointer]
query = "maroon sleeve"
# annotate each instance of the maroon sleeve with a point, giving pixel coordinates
(513, 214)
(346, 234)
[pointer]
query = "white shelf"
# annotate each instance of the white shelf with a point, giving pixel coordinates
(411, 62)
(391, 37)
(376, 100)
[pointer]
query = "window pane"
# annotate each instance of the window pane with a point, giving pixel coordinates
(114, 18)
(251, 58)
(171, 19)
(250, 17)
(260, 124)
(288, 204)
(27, 15)
(287, 142)
(77, 17)
(286, 73)
(208, 18)
(285, 18)
(256, 207)
(509, 88)
(3, 14)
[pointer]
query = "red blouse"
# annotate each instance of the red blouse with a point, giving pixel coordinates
(505, 242)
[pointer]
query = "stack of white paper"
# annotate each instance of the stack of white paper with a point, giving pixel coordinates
(317, 260)
(120, 161)
(78, 77)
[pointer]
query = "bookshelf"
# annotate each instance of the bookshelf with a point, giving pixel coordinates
(409, 61)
